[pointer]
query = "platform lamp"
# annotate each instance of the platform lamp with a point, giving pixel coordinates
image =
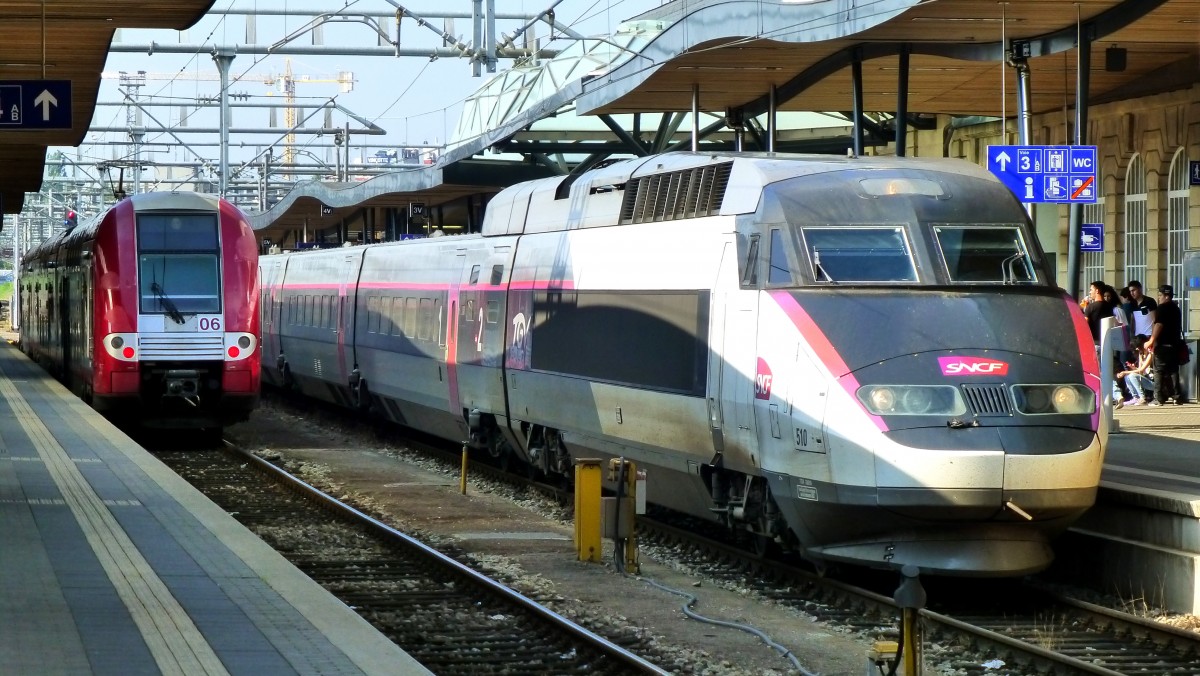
(1114, 59)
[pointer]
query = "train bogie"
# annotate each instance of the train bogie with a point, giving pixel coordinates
(862, 360)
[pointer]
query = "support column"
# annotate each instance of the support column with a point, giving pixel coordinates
(1024, 116)
(696, 118)
(1075, 220)
(857, 89)
(902, 104)
(857, 85)
(771, 104)
(224, 59)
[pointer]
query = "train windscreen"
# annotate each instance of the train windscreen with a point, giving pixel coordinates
(179, 264)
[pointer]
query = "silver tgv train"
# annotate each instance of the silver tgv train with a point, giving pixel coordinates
(864, 360)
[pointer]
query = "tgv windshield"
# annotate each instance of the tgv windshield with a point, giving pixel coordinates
(894, 227)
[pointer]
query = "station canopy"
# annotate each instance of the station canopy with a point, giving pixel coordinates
(63, 40)
(732, 52)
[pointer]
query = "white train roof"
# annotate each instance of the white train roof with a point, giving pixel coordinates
(596, 198)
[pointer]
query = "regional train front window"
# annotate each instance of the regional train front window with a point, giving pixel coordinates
(985, 254)
(859, 254)
(179, 263)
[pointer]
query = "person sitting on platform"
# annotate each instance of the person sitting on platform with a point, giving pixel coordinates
(1137, 376)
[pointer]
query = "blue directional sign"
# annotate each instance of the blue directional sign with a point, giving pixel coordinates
(1091, 237)
(1046, 173)
(1193, 173)
(35, 104)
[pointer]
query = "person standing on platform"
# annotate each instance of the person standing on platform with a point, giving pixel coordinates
(1166, 339)
(1097, 309)
(1143, 310)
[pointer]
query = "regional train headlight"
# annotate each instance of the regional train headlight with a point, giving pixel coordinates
(1054, 399)
(912, 399)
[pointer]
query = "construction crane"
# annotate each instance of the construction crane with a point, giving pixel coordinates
(285, 82)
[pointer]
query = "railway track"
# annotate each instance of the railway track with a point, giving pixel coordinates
(447, 616)
(1034, 630)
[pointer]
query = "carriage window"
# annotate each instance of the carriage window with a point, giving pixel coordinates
(859, 254)
(410, 318)
(373, 314)
(985, 254)
(780, 272)
(497, 274)
(426, 324)
(397, 317)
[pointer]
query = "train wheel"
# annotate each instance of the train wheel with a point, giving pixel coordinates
(764, 546)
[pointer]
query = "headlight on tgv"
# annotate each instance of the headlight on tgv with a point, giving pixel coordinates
(912, 399)
(1050, 399)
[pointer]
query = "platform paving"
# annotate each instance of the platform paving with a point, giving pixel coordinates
(114, 565)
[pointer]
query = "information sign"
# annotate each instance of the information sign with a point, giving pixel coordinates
(35, 104)
(1091, 237)
(1061, 174)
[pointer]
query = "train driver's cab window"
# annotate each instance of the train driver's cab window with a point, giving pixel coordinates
(987, 254)
(780, 271)
(847, 254)
(178, 263)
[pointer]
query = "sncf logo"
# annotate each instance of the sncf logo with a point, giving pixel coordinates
(763, 380)
(972, 366)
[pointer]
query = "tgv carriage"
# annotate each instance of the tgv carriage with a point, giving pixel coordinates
(150, 310)
(865, 360)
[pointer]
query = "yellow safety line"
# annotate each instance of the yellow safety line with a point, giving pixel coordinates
(174, 640)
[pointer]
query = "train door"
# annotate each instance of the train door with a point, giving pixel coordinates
(64, 330)
(731, 368)
(348, 272)
(271, 274)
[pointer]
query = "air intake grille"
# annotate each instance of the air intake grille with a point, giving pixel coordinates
(181, 346)
(690, 193)
(987, 399)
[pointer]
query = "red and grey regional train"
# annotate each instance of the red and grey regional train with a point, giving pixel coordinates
(150, 310)
(864, 360)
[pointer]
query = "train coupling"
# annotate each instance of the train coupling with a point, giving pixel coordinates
(184, 384)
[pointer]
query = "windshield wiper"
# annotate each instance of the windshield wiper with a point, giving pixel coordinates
(821, 268)
(1008, 270)
(165, 300)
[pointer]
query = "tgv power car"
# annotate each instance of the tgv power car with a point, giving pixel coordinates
(865, 360)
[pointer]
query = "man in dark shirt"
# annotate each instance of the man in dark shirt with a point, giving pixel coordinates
(1097, 309)
(1166, 338)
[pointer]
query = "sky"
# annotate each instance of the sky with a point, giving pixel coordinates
(416, 99)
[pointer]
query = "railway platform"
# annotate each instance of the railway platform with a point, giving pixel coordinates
(1142, 539)
(112, 564)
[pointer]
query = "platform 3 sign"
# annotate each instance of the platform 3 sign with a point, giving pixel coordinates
(35, 104)
(1062, 174)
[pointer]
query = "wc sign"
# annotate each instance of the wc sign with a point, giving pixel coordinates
(1193, 173)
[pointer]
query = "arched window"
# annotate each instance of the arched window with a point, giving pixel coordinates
(1177, 228)
(1135, 223)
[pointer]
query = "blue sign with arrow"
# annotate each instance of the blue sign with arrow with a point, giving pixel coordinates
(1062, 174)
(35, 104)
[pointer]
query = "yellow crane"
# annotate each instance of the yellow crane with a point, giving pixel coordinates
(285, 82)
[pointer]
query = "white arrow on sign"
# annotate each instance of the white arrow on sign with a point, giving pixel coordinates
(45, 100)
(1003, 159)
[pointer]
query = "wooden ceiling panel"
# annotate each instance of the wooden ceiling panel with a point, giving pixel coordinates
(67, 40)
